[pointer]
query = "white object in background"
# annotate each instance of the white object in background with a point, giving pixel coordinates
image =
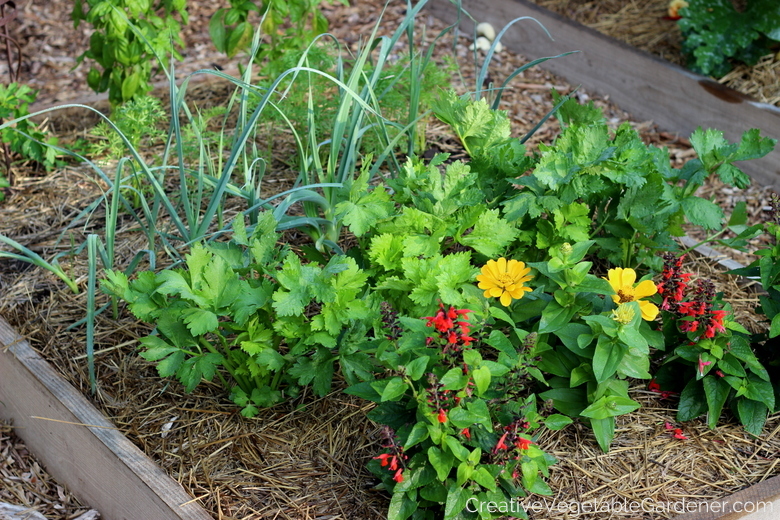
(486, 30)
(482, 44)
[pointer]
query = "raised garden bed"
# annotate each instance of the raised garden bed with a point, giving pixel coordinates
(147, 482)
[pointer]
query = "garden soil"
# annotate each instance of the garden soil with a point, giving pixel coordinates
(305, 459)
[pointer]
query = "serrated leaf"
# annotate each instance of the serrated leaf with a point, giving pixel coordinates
(200, 321)
(491, 234)
(702, 212)
(170, 365)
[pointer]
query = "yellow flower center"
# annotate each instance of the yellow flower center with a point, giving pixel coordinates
(505, 279)
(626, 294)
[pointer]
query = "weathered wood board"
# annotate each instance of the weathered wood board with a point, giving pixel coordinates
(758, 502)
(647, 87)
(78, 446)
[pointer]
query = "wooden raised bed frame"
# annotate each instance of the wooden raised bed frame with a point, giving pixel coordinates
(78, 446)
(102, 468)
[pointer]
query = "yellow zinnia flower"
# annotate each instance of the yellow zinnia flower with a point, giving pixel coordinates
(504, 280)
(622, 282)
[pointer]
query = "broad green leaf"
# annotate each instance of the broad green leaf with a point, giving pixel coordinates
(716, 391)
(610, 406)
(483, 477)
(604, 430)
(200, 321)
(557, 421)
(693, 401)
(416, 367)
(752, 414)
(457, 449)
(607, 358)
(702, 212)
(395, 388)
(456, 502)
(441, 461)
(481, 379)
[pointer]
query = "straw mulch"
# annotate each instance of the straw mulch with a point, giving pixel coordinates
(305, 459)
(642, 24)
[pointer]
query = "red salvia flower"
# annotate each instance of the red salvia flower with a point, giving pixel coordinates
(466, 433)
(523, 444)
(501, 445)
(442, 416)
(703, 365)
(394, 460)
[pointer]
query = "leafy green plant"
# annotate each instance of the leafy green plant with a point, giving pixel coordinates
(130, 37)
(486, 135)
(291, 26)
(256, 312)
(423, 250)
(24, 138)
(714, 358)
(620, 192)
(458, 415)
(716, 34)
(593, 334)
(138, 120)
(767, 268)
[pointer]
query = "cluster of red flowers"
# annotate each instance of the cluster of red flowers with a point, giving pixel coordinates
(441, 401)
(673, 282)
(394, 460)
(511, 437)
(452, 329)
(697, 310)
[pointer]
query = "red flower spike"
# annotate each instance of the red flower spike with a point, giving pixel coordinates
(442, 416)
(383, 457)
(398, 477)
(501, 445)
(523, 443)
